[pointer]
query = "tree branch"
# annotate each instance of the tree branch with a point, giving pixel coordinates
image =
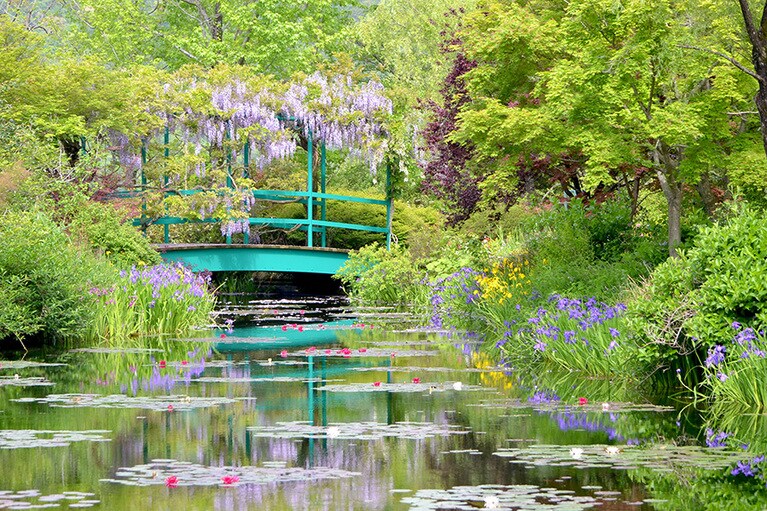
(731, 60)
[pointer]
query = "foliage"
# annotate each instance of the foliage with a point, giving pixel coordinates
(447, 174)
(612, 82)
(44, 278)
(162, 299)
(574, 335)
(691, 303)
(278, 38)
(375, 275)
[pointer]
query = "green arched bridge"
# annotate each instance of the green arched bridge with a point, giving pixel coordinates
(271, 258)
(230, 256)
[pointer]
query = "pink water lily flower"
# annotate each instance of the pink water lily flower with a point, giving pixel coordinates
(171, 481)
(162, 364)
(284, 353)
(228, 480)
(376, 383)
(416, 380)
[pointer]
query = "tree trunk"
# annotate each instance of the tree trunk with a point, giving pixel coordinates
(666, 170)
(758, 39)
(707, 195)
(71, 147)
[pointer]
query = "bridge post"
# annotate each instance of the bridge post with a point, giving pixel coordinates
(166, 141)
(389, 206)
(246, 174)
(229, 182)
(143, 186)
(310, 191)
(323, 207)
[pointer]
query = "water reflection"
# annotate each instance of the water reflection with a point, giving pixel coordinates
(266, 414)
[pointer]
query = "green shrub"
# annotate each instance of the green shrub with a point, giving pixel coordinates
(374, 275)
(721, 279)
(44, 279)
(121, 243)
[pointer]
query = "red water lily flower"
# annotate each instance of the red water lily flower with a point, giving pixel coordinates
(170, 408)
(363, 350)
(376, 383)
(416, 380)
(300, 329)
(171, 481)
(184, 362)
(162, 364)
(223, 336)
(284, 328)
(582, 401)
(227, 480)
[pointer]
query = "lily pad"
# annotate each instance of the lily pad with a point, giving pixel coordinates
(33, 499)
(25, 364)
(413, 369)
(30, 381)
(192, 474)
(658, 457)
(502, 497)
(357, 430)
(33, 438)
(398, 387)
(356, 353)
(161, 403)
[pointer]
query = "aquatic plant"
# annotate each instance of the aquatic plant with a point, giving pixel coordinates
(357, 430)
(733, 371)
(179, 473)
(572, 334)
(162, 299)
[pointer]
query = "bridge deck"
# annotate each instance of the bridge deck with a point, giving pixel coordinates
(277, 258)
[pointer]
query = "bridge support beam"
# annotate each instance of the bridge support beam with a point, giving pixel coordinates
(219, 257)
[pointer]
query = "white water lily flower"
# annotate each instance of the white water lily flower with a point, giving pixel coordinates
(605, 407)
(457, 385)
(576, 452)
(612, 450)
(492, 502)
(333, 431)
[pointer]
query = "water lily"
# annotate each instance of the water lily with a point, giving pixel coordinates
(171, 481)
(363, 350)
(492, 502)
(229, 480)
(457, 385)
(416, 380)
(162, 364)
(605, 407)
(582, 401)
(333, 431)
(612, 450)
(576, 453)
(284, 353)
(223, 336)
(170, 408)
(376, 383)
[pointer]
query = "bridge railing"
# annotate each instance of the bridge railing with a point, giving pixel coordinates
(310, 224)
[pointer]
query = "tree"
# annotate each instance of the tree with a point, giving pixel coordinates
(610, 80)
(278, 37)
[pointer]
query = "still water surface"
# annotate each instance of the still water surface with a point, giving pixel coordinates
(308, 408)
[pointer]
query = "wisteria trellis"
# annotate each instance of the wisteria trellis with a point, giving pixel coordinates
(268, 121)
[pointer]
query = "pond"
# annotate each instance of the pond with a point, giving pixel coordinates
(300, 405)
